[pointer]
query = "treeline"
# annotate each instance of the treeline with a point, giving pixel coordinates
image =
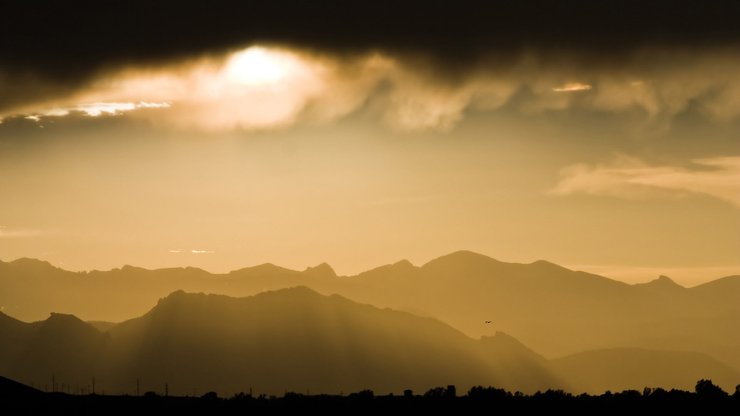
(706, 397)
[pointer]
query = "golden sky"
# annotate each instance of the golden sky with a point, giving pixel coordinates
(271, 153)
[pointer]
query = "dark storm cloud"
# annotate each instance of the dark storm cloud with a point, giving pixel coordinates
(68, 40)
(51, 50)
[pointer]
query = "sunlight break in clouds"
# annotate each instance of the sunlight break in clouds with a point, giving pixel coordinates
(261, 88)
(259, 66)
(628, 178)
(572, 87)
(270, 87)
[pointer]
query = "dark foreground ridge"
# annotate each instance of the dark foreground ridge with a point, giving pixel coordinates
(20, 399)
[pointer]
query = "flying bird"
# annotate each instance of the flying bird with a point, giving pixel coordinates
(488, 322)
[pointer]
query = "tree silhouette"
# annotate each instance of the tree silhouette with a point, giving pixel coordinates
(705, 388)
(487, 393)
(211, 395)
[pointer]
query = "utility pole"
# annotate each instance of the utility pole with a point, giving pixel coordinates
(93, 391)
(166, 390)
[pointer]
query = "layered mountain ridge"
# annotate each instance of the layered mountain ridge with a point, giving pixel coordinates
(553, 310)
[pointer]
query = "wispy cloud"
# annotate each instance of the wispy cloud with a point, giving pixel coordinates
(8, 232)
(93, 109)
(572, 87)
(192, 251)
(629, 178)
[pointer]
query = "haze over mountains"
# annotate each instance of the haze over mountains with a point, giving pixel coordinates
(291, 339)
(604, 333)
(298, 340)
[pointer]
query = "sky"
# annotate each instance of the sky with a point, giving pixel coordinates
(602, 136)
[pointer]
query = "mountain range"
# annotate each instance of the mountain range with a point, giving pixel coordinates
(576, 319)
(286, 340)
(298, 340)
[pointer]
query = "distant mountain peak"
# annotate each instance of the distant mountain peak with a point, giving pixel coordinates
(263, 269)
(62, 323)
(173, 297)
(62, 318)
(665, 281)
(460, 257)
(321, 270)
(403, 265)
(29, 262)
(176, 294)
(662, 282)
(547, 265)
(467, 254)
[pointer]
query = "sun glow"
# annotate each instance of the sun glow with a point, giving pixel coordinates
(260, 66)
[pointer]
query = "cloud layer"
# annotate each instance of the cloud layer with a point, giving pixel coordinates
(268, 87)
(51, 50)
(630, 178)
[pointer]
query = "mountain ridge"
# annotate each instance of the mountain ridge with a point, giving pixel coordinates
(263, 267)
(554, 310)
(291, 339)
(296, 338)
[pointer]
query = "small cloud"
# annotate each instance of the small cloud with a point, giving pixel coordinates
(718, 177)
(572, 87)
(7, 232)
(193, 251)
(143, 104)
(96, 109)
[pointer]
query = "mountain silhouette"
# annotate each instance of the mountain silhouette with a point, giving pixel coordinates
(299, 340)
(553, 310)
(61, 347)
(291, 339)
(662, 283)
(12, 390)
